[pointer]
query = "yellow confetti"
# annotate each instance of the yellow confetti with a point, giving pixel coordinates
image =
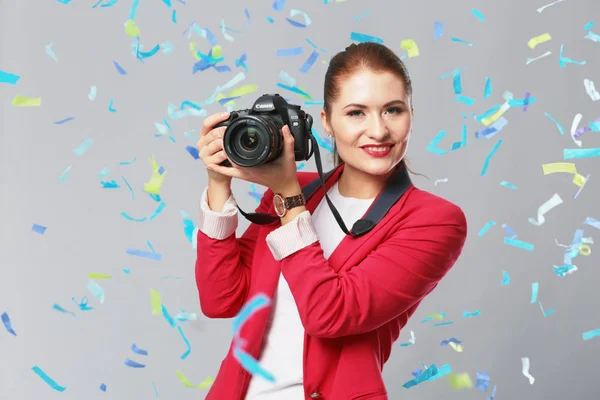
(569, 168)
(98, 275)
(131, 28)
(156, 180)
(22, 101)
(538, 40)
(250, 88)
(193, 51)
(203, 385)
(217, 51)
(460, 381)
(457, 347)
(156, 302)
(411, 47)
(436, 316)
(585, 250)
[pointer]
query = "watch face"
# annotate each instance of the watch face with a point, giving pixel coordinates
(278, 204)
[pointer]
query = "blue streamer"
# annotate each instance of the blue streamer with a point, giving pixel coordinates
(486, 227)
(535, 287)
(362, 38)
(506, 278)
(145, 254)
(7, 324)
(250, 364)
(137, 350)
(187, 343)
(518, 243)
(133, 364)
(569, 154)
(489, 157)
(488, 88)
(48, 380)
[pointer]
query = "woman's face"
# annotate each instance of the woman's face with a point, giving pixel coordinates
(372, 109)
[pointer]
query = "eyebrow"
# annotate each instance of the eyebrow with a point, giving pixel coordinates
(389, 103)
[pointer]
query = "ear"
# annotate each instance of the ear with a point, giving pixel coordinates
(325, 122)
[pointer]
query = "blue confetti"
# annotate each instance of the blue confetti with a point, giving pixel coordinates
(535, 286)
(294, 51)
(133, 364)
(591, 334)
(569, 154)
(48, 380)
(508, 185)
(137, 350)
(438, 30)
(362, 38)
(518, 243)
(486, 227)
(145, 254)
(38, 229)
(468, 314)
(489, 157)
(119, 68)
(309, 62)
(7, 324)
(488, 88)
(506, 278)
(278, 5)
(478, 14)
(483, 381)
(187, 343)
(103, 387)
(62, 121)
(6, 77)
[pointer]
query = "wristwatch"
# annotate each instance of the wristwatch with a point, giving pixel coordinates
(283, 204)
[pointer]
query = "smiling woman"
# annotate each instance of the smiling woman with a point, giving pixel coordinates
(368, 111)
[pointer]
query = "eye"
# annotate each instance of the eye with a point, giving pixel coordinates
(355, 113)
(394, 110)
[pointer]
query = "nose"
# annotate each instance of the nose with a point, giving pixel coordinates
(378, 129)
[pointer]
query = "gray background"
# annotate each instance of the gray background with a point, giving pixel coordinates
(86, 232)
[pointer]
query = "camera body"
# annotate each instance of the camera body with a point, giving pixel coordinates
(253, 136)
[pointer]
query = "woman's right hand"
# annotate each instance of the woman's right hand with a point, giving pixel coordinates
(210, 146)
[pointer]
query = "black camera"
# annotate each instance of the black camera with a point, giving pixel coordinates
(253, 136)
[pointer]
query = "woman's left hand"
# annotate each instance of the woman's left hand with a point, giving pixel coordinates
(276, 175)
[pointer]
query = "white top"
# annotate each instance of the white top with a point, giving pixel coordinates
(283, 348)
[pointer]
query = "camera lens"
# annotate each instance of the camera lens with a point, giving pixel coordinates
(253, 140)
(250, 139)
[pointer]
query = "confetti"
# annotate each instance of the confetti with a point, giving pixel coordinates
(460, 381)
(569, 154)
(534, 291)
(137, 350)
(411, 341)
(530, 60)
(295, 51)
(468, 314)
(6, 77)
(22, 101)
(92, 94)
(489, 157)
(568, 168)
(83, 147)
(96, 290)
(563, 61)
(485, 228)
(145, 254)
(103, 387)
(539, 10)
(422, 377)
(520, 244)
(488, 88)
(592, 36)
(525, 370)
(119, 68)
(62, 310)
(483, 381)
(7, 324)
(508, 185)
(38, 229)
(156, 181)
(437, 181)
(50, 52)
(554, 201)
(202, 385)
(293, 13)
(309, 62)
(411, 47)
(62, 121)
(591, 90)
(533, 42)
(278, 5)
(478, 14)
(186, 341)
(362, 38)
(457, 40)
(48, 380)
(438, 30)
(133, 364)
(506, 278)
(511, 233)
(546, 313)
(591, 334)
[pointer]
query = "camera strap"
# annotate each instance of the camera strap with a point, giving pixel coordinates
(396, 186)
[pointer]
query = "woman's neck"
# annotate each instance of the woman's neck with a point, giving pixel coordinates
(360, 185)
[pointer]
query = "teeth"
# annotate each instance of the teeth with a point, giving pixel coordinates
(379, 149)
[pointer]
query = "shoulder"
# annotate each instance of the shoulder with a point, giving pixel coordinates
(422, 207)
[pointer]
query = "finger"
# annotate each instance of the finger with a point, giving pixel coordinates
(216, 158)
(227, 171)
(214, 147)
(210, 121)
(211, 137)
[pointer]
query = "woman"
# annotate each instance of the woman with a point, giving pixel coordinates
(339, 302)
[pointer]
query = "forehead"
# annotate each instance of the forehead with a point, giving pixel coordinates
(366, 86)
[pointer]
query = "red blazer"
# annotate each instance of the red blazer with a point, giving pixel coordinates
(352, 305)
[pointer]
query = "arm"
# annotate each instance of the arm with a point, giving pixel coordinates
(394, 277)
(223, 262)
